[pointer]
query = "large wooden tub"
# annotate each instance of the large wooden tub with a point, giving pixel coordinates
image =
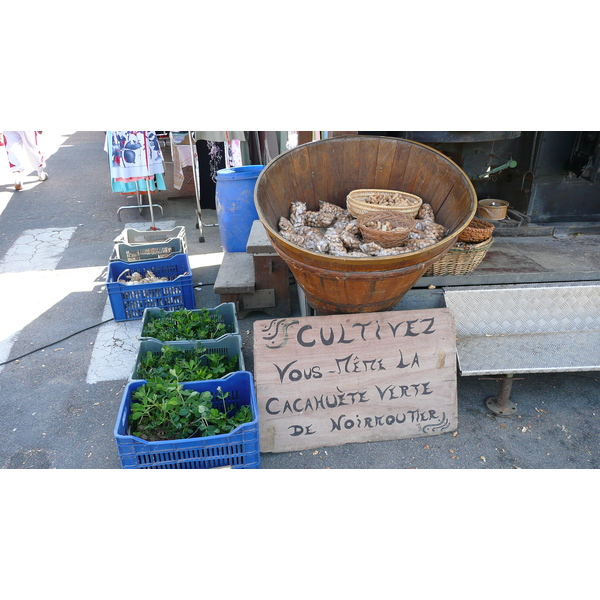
(330, 169)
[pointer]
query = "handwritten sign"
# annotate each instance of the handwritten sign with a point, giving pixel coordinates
(338, 379)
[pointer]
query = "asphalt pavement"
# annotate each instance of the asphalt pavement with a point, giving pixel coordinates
(62, 381)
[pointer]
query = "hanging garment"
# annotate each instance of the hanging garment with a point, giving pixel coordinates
(211, 158)
(133, 154)
(269, 146)
(254, 148)
(234, 141)
(23, 147)
(264, 146)
(135, 160)
(182, 158)
(156, 182)
(234, 154)
(220, 136)
(216, 158)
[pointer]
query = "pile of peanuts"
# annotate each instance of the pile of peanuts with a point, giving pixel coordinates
(342, 236)
(384, 225)
(136, 277)
(384, 200)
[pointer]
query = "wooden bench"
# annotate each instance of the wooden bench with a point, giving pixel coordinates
(505, 330)
(255, 280)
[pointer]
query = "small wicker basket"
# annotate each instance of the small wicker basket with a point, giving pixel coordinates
(358, 202)
(477, 230)
(402, 225)
(461, 259)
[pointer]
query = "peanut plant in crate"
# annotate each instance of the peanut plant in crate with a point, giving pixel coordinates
(185, 325)
(163, 410)
(189, 425)
(178, 364)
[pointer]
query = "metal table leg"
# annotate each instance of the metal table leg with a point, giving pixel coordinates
(501, 405)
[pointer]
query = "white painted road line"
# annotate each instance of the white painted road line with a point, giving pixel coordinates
(37, 250)
(115, 349)
(40, 250)
(117, 343)
(30, 285)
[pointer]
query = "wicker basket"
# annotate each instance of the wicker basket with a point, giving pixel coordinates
(477, 230)
(460, 259)
(402, 224)
(357, 202)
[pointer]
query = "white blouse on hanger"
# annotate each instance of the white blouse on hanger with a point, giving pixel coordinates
(133, 155)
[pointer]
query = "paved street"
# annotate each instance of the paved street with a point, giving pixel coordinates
(66, 362)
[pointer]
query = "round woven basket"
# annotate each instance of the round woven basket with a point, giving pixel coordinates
(461, 259)
(477, 230)
(359, 202)
(399, 225)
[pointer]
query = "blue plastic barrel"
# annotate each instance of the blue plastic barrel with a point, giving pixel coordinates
(234, 200)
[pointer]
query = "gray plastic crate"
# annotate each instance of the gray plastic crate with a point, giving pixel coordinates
(223, 313)
(152, 251)
(134, 237)
(229, 346)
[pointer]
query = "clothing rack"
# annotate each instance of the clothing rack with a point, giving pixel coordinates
(138, 193)
(140, 205)
(196, 174)
(191, 136)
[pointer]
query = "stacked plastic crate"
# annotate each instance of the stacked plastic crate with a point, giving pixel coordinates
(149, 269)
(138, 258)
(155, 303)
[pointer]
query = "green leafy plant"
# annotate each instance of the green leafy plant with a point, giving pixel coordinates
(164, 410)
(195, 364)
(185, 324)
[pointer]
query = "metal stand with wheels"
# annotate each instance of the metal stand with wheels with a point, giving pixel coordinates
(140, 205)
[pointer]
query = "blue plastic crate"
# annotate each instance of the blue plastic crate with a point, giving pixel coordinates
(239, 449)
(128, 302)
(228, 345)
(223, 313)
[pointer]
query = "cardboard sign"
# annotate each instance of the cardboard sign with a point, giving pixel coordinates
(338, 379)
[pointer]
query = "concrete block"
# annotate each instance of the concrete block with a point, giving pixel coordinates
(258, 241)
(236, 274)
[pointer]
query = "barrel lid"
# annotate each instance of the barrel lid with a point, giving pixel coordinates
(244, 172)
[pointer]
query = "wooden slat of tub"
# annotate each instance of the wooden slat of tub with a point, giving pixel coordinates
(438, 185)
(397, 176)
(427, 184)
(416, 172)
(350, 160)
(265, 207)
(386, 160)
(270, 200)
(452, 210)
(435, 181)
(287, 181)
(303, 175)
(323, 167)
(367, 162)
